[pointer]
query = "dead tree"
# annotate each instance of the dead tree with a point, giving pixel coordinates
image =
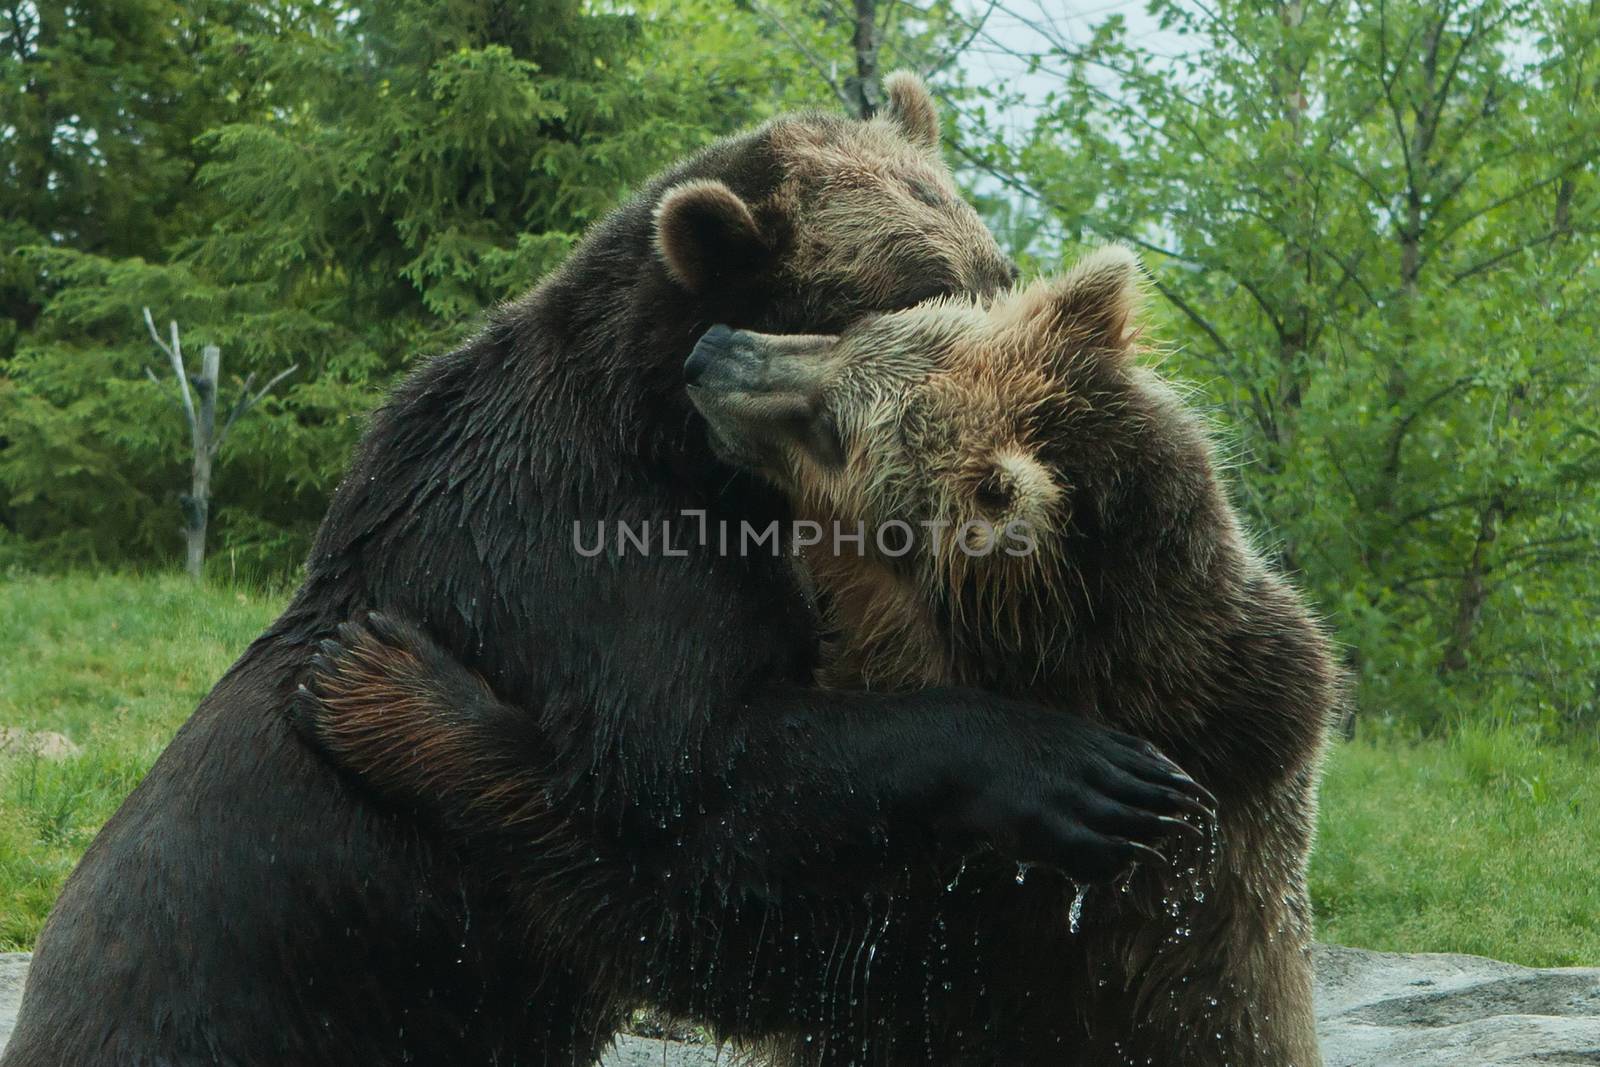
(204, 435)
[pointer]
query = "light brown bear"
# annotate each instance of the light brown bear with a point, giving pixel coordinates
(1043, 519)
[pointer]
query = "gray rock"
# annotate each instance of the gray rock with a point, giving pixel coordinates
(1378, 1009)
(1374, 1009)
(13, 967)
(17, 743)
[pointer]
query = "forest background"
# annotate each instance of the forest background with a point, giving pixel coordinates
(1371, 228)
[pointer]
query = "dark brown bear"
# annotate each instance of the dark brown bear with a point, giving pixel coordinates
(1043, 519)
(247, 905)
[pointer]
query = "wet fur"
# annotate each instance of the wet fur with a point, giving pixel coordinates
(1145, 606)
(249, 904)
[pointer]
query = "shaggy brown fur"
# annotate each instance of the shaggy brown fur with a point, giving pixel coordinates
(1142, 599)
(659, 699)
(881, 188)
(1142, 604)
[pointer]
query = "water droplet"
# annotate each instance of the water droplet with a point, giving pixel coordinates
(951, 886)
(1075, 913)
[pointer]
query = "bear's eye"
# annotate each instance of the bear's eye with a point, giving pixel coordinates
(993, 495)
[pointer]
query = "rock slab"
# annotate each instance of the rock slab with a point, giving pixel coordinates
(1374, 1009)
(1377, 1009)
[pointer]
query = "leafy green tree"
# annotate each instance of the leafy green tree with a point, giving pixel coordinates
(1374, 227)
(103, 101)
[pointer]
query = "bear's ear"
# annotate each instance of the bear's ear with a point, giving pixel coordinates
(1093, 304)
(911, 108)
(704, 231)
(1016, 487)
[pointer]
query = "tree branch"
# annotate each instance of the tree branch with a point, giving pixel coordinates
(246, 401)
(1194, 316)
(951, 56)
(1496, 260)
(175, 356)
(817, 62)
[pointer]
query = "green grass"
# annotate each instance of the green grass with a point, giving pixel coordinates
(1486, 843)
(116, 663)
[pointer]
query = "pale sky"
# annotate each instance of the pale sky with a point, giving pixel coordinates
(1032, 25)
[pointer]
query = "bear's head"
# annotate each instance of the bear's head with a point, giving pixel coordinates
(1013, 466)
(823, 217)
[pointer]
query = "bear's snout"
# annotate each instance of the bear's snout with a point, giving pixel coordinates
(706, 350)
(723, 360)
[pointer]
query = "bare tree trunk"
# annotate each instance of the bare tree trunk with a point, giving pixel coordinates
(1410, 233)
(197, 505)
(863, 89)
(1563, 212)
(1474, 590)
(1294, 332)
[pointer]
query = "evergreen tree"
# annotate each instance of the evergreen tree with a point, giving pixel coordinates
(336, 185)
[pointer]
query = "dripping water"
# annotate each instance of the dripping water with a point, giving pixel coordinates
(1075, 913)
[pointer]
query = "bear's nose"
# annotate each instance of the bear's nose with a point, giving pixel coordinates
(712, 345)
